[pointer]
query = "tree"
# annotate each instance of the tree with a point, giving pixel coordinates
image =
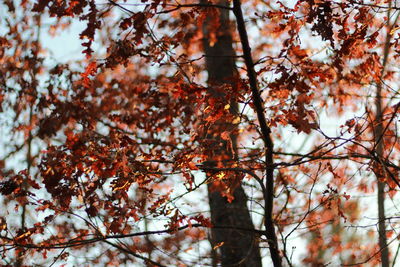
(281, 116)
(239, 247)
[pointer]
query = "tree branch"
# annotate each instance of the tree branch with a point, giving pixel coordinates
(265, 130)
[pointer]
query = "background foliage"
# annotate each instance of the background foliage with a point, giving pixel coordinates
(106, 156)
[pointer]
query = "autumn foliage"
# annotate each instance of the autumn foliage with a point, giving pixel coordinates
(107, 154)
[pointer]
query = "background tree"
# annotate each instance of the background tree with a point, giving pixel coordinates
(238, 248)
(108, 158)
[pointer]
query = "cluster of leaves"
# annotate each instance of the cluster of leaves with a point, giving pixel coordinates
(107, 154)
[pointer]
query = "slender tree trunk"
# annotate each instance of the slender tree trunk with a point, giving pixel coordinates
(238, 248)
(379, 144)
(381, 184)
(29, 157)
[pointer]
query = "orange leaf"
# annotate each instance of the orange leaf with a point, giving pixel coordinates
(225, 135)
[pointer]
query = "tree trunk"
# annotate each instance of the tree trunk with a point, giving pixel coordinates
(379, 144)
(238, 247)
(381, 184)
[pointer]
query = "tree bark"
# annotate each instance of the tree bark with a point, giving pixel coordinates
(238, 248)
